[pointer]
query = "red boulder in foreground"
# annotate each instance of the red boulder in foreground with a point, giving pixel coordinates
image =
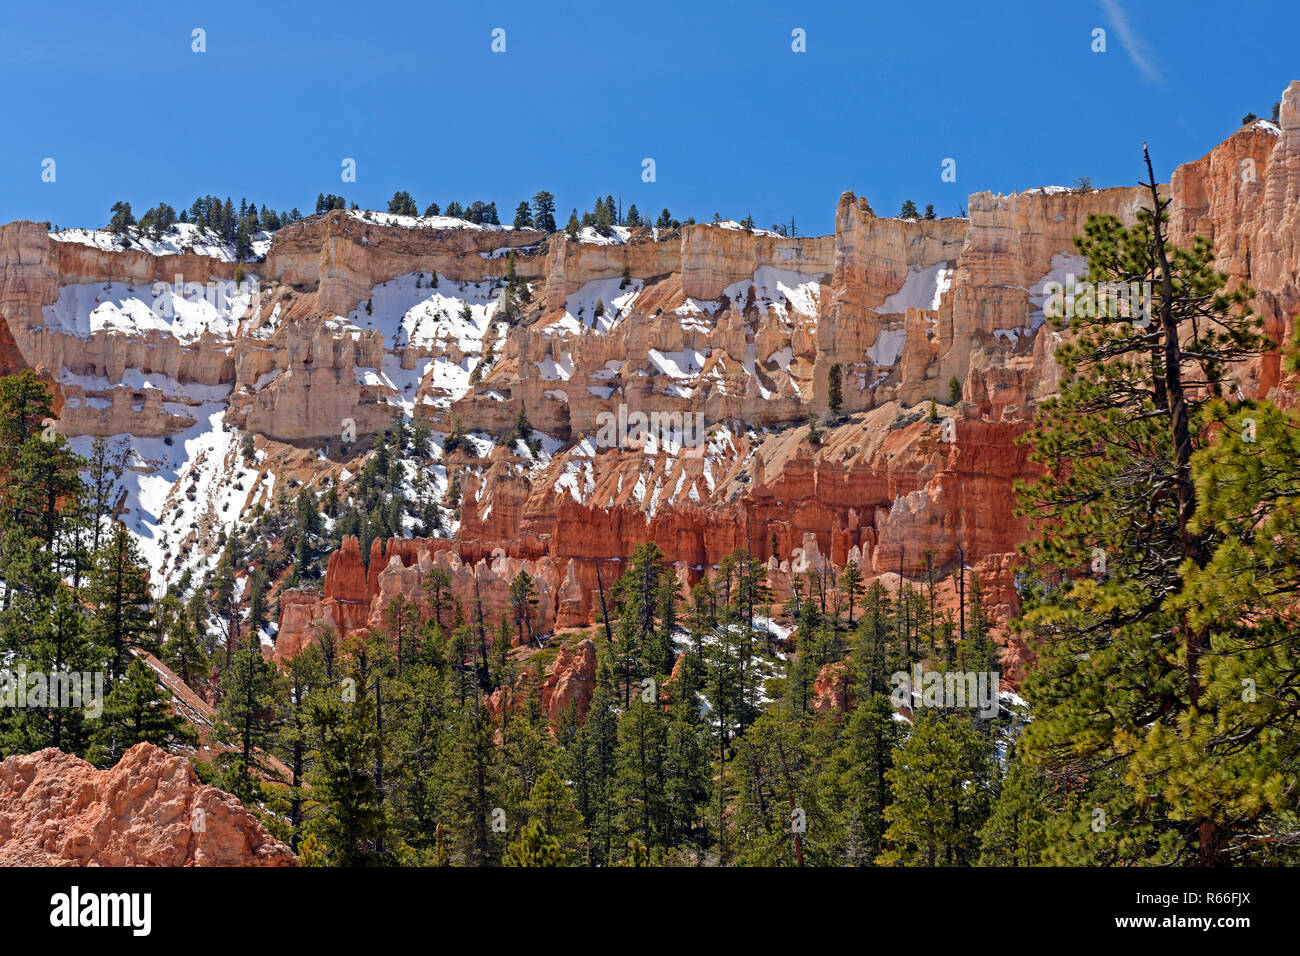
(149, 810)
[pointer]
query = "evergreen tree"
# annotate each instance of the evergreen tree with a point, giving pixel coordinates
(182, 650)
(1016, 831)
(402, 204)
(349, 822)
(246, 721)
(304, 675)
(471, 788)
(118, 590)
(851, 583)
(121, 219)
(834, 393)
(940, 790)
(1119, 499)
(138, 710)
(854, 785)
(534, 848)
(544, 211)
(641, 772)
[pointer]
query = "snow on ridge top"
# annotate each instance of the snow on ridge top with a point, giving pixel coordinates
(181, 237)
(423, 222)
(735, 226)
(591, 236)
(1048, 190)
(1267, 126)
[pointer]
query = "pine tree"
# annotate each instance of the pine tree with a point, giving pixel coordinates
(641, 772)
(137, 710)
(851, 583)
(118, 589)
(420, 710)
(258, 612)
(534, 848)
(940, 788)
(349, 821)
(1016, 832)
(594, 766)
(402, 204)
(1116, 512)
(121, 220)
(304, 675)
(522, 602)
(777, 808)
(834, 393)
(854, 784)
(471, 790)
(182, 650)
(544, 211)
(246, 720)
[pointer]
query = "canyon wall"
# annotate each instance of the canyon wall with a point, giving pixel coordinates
(727, 333)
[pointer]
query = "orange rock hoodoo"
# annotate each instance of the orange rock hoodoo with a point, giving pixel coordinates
(957, 298)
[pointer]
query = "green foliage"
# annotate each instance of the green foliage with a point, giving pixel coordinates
(403, 204)
(137, 710)
(834, 389)
(246, 720)
(1140, 599)
(941, 787)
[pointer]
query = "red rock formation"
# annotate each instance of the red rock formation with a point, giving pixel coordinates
(755, 320)
(570, 682)
(149, 810)
(830, 693)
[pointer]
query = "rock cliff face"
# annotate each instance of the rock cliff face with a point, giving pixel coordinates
(726, 335)
(148, 810)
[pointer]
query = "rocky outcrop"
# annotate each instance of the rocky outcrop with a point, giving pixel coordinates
(830, 690)
(570, 683)
(148, 810)
(343, 255)
(345, 328)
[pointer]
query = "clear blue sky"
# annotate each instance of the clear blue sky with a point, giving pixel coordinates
(736, 122)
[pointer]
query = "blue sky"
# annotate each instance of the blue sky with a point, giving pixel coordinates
(736, 122)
